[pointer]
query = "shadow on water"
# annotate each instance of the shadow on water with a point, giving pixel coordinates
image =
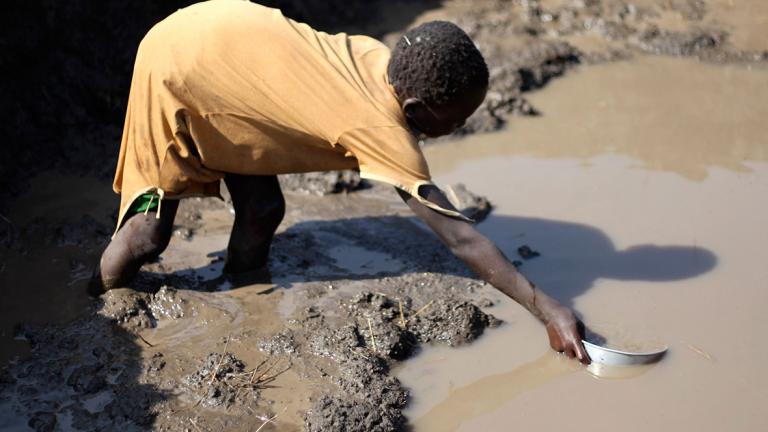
(94, 373)
(573, 256)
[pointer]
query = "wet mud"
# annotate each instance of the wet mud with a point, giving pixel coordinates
(328, 327)
(527, 43)
(366, 322)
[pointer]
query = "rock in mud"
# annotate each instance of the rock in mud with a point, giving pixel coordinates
(527, 253)
(323, 183)
(451, 321)
(471, 205)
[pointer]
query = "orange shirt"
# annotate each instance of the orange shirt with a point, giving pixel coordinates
(228, 86)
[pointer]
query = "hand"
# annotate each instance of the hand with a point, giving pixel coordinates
(565, 333)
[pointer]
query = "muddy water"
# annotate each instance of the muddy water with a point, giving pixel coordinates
(746, 21)
(43, 281)
(643, 187)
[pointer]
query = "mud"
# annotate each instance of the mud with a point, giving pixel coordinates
(210, 359)
(323, 183)
(527, 43)
(358, 287)
(634, 179)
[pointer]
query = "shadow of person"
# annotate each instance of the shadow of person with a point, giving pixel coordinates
(572, 255)
(87, 374)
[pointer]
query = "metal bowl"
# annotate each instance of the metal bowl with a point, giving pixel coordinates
(612, 357)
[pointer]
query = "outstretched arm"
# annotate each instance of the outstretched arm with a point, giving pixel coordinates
(488, 262)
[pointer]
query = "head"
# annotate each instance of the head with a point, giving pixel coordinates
(439, 76)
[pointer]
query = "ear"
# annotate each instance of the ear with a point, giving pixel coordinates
(412, 106)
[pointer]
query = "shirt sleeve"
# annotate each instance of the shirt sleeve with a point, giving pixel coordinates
(390, 154)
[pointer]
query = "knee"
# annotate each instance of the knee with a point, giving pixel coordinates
(150, 240)
(266, 215)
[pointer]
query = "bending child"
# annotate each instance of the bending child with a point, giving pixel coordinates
(233, 90)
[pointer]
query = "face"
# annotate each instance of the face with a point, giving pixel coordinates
(435, 121)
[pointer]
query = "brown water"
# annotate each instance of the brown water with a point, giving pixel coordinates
(643, 186)
(45, 281)
(746, 21)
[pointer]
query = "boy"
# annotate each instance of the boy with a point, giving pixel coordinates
(235, 91)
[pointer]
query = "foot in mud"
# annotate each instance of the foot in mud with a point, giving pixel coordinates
(260, 275)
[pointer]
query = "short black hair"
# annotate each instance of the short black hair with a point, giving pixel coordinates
(436, 62)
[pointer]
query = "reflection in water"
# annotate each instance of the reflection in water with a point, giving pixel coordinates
(669, 114)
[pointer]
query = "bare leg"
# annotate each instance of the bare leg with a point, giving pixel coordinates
(142, 238)
(259, 209)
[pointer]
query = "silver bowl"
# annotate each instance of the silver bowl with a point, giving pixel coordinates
(612, 357)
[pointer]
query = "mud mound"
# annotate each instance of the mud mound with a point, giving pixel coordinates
(323, 183)
(221, 381)
(134, 310)
(377, 330)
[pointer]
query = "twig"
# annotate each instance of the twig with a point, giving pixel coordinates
(269, 379)
(700, 352)
(402, 317)
(420, 310)
(6, 219)
(263, 373)
(221, 360)
(373, 339)
(269, 420)
(144, 340)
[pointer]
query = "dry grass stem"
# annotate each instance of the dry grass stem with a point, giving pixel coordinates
(402, 316)
(421, 310)
(141, 338)
(221, 359)
(700, 352)
(271, 419)
(373, 339)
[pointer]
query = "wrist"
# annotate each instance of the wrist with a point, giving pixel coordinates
(545, 307)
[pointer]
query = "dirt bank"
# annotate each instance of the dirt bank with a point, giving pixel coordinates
(177, 352)
(357, 287)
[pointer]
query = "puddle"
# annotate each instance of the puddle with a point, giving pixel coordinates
(643, 188)
(746, 20)
(356, 260)
(44, 279)
(654, 110)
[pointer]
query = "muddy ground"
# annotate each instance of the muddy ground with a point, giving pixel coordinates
(356, 285)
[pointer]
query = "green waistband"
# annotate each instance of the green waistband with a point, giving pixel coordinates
(144, 203)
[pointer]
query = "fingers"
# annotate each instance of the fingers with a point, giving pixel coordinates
(581, 353)
(555, 341)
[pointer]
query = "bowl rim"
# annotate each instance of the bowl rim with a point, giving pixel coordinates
(626, 353)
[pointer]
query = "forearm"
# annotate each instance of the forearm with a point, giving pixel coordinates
(485, 259)
(490, 264)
